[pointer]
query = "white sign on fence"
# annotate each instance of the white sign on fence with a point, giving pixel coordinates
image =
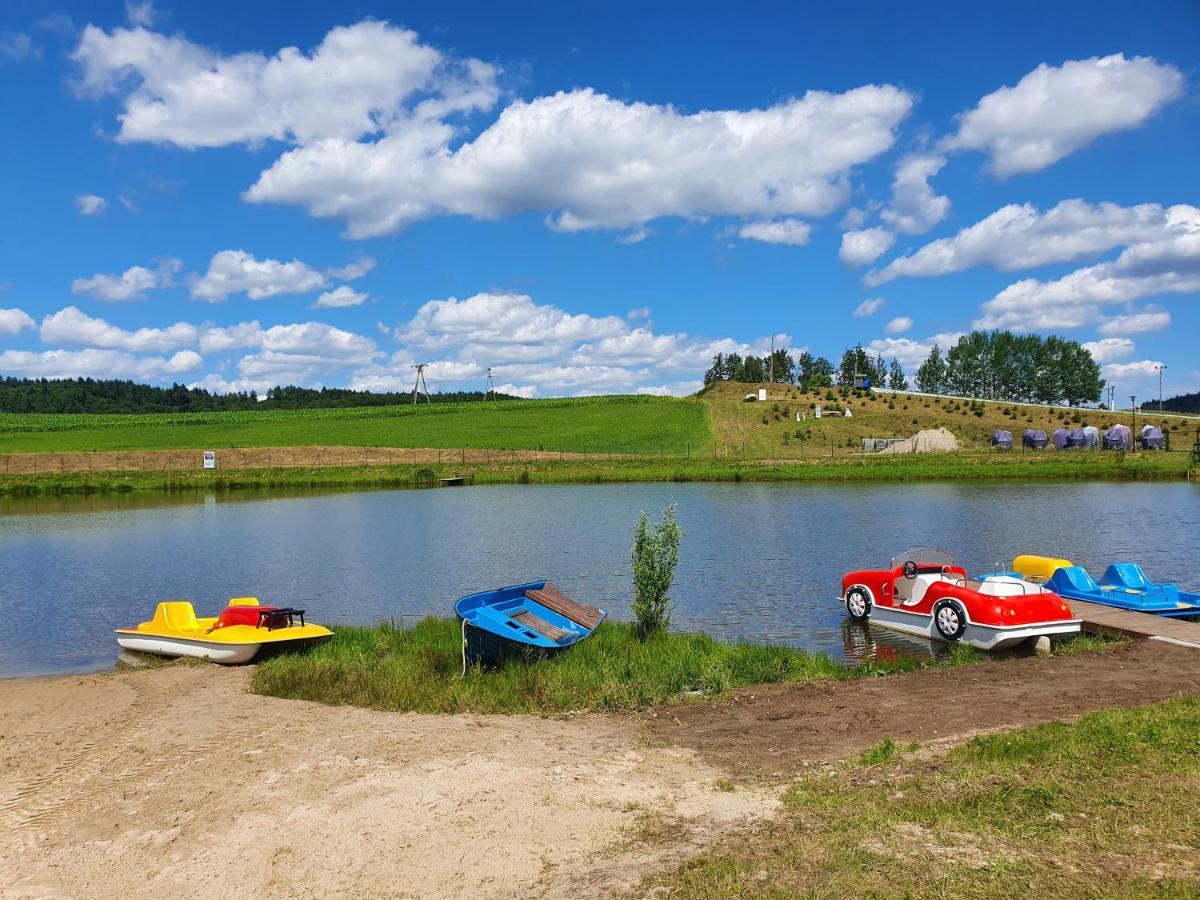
(210, 459)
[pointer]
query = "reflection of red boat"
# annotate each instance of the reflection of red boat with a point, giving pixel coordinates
(925, 592)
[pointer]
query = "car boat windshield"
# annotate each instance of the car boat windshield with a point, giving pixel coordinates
(926, 559)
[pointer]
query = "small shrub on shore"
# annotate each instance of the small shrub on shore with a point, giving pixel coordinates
(654, 556)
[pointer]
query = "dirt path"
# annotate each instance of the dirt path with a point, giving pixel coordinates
(176, 781)
(279, 458)
(772, 732)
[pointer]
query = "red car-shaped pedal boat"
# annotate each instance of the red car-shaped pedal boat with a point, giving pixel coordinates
(925, 592)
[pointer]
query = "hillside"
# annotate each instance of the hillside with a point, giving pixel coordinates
(770, 430)
(586, 425)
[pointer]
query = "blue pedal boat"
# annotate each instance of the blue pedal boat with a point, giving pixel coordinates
(1131, 576)
(1074, 583)
(532, 620)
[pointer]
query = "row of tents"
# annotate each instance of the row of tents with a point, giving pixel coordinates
(1119, 437)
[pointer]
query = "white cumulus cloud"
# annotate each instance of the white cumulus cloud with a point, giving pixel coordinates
(1168, 265)
(593, 162)
(359, 80)
(73, 326)
(1110, 349)
(863, 247)
(915, 206)
(1135, 323)
(353, 270)
(780, 231)
(1020, 236)
(340, 296)
(899, 325)
(868, 307)
(910, 352)
(236, 271)
(14, 321)
(93, 363)
(132, 284)
(1055, 110)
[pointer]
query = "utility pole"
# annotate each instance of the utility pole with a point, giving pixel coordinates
(1133, 411)
(1160, 368)
(771, 363)
(420, 383)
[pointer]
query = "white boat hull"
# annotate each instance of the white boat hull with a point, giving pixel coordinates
(228, 654)
(981, 637)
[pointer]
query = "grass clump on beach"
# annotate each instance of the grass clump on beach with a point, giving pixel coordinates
(417, 669)
(1103, 806)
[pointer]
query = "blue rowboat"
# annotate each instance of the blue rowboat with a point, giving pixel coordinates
(532, 620)
(1074, 583)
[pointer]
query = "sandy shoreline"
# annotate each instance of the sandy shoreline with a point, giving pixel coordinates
(176, 780)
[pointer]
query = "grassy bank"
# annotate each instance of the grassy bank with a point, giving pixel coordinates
(920, 467)
(590, 424)
(1104, 806)
(417, 669)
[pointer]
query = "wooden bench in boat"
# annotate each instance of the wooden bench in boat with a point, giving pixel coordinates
(541, 626)
(552, 598)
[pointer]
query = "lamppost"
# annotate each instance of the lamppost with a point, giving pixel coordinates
(1160, 368)
(1133, 410)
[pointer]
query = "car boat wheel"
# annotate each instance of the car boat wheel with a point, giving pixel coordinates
(950, 619)
(858, 604)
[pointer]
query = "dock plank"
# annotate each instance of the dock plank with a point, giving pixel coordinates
(1100, 619)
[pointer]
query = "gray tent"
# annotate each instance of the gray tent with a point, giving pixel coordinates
(1091, 437)
(1034, 439)
(1076, 439)
(1119, 437)
(1002, 439)
(1060, 439)
(1152, 438)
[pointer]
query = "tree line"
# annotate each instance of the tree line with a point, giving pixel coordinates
(996, 365)
(808, 371)
(1001, 365)
(87, 395)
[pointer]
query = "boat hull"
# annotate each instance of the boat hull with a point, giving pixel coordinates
(483, 648)
(227, 654)
(979, 636)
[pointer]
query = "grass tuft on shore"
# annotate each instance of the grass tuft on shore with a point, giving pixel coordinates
(1103, 806)
(417, 669)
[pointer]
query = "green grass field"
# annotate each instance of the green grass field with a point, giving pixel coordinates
(583, 425)
(1104, 806)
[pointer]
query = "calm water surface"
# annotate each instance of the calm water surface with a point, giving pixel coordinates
(759, 561)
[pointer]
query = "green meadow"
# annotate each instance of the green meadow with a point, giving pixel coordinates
(616, 424)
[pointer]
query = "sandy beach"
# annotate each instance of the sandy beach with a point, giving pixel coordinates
(176, 780)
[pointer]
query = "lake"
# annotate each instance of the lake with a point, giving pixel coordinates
(760, 562)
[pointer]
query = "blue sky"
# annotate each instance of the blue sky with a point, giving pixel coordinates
(590, 200)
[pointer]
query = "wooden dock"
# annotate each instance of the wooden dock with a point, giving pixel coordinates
(1100, 619)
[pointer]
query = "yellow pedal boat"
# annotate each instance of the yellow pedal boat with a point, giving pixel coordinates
(235, 636)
